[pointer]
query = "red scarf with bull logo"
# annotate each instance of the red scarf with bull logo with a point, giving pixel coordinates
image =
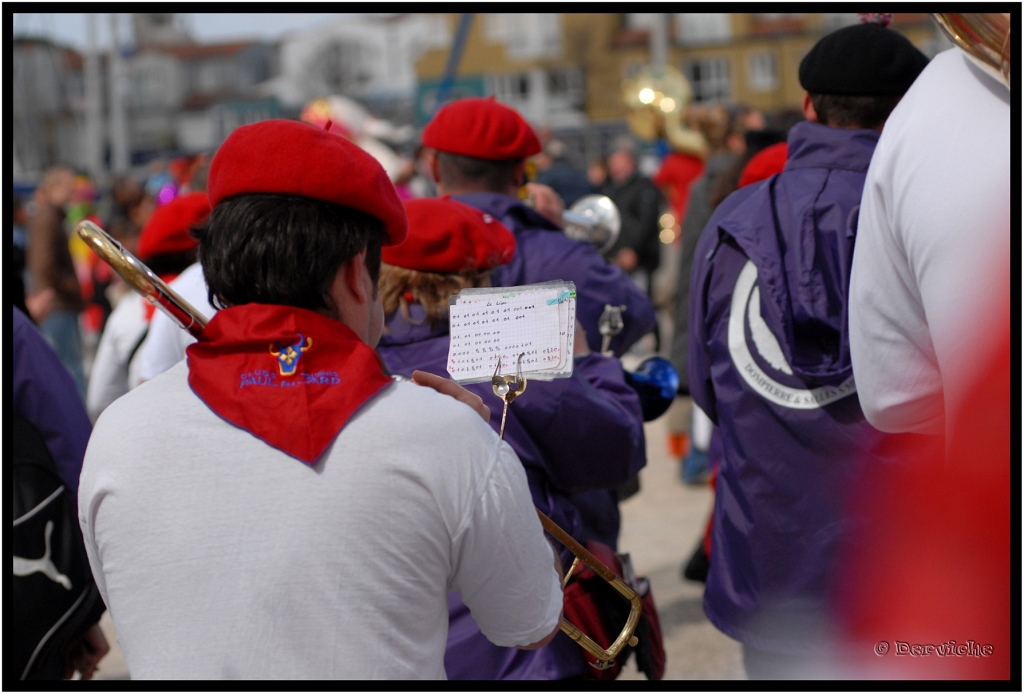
(289, 376)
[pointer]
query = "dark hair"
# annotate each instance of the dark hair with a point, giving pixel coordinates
(283, 249)
(458, 171)
(841, 111)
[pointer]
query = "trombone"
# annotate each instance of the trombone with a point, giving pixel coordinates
(145, 282)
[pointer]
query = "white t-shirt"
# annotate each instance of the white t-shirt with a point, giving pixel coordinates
(221, 557)
(933, 247)
(115, 370)
(166, 342)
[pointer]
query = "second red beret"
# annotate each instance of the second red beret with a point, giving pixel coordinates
(766, 163)
(169, 227)
(481, 128)
(449, 237)
(286, 157)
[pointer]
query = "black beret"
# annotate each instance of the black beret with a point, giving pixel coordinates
(862, 60)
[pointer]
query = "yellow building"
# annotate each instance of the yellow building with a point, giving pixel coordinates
(566, 70)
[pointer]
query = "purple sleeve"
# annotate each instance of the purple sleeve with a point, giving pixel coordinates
(589, 427)
(46, 395)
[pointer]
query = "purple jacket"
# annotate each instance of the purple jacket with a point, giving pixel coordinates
(572, 435)
(770, 364)
(46, 395)
(544, 253)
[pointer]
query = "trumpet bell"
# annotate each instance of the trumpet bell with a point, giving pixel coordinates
(594, 219)
(656, 381)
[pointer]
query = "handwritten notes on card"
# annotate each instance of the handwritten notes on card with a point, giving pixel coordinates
(532, 326)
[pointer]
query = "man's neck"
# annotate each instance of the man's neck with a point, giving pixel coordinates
(445, 189)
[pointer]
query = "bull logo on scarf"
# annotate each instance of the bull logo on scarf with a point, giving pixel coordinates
(288, 356)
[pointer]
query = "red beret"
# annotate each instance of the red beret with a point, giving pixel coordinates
(447, 236)
(766, 163)
(286, 157)
(481, 128)
(168, 228)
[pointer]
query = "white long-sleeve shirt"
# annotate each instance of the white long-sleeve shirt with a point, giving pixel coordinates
(933, 247)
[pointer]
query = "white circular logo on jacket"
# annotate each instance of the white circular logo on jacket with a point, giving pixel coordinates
(746, 304)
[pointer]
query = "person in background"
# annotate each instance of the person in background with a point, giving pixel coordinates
(167, 247)
(597, 173)
(555, 171)
(53, 273)
(48, 409)
(19, 237)
(481, 147)
(769, 359)
(572, 434)
(638, 248)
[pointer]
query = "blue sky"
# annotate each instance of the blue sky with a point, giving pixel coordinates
(70, 28)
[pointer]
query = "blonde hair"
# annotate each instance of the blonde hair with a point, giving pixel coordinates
(429, 289)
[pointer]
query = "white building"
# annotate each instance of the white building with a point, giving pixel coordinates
(369, 58)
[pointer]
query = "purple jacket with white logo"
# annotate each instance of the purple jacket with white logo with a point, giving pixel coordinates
(770, 364)
(571, 434)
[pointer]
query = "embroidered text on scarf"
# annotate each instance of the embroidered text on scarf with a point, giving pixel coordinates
(289, 376)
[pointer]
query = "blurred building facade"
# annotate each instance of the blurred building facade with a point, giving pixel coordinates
(47, 81)
(368, 58)
(565, 71)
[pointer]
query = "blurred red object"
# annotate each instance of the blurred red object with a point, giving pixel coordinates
(766, 163)
(932, 565)
(677, 173)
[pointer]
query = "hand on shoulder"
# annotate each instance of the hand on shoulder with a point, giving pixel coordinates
(448, 387)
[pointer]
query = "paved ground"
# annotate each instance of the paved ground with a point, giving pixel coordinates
(660, 529)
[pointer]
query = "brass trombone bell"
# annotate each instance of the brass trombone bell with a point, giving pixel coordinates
(594, 219)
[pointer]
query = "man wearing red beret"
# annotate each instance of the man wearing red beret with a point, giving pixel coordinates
(167, 246)
(572, 435)
(276, 506)
(481, 149)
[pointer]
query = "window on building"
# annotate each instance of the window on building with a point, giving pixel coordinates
(339, 67)
(763, 72)
(526, 35)
(709, 78)
(565, 89)
(702, 28)
(511, 89)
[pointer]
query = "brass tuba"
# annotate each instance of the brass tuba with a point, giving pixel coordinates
(658, 98)
(983, 36)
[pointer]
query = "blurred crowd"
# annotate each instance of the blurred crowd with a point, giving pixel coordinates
(700, 226)
(70, 293)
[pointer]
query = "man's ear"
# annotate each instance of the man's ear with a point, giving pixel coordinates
(808, 108)
(519, 173)
(357, 278)
(435, 167)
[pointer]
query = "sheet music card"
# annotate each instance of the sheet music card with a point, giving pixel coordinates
(537, 321)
